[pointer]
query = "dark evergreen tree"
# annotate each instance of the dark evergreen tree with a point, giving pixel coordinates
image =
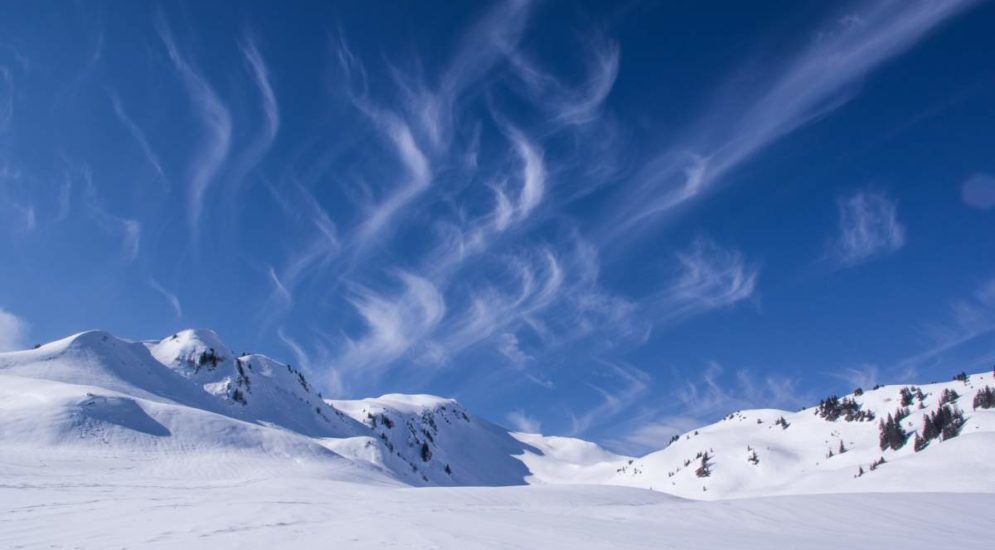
(426, 453)
(985, 398)
(892, 436)
(906, 395)
(953, 424)
(948, 396)
(704, 470)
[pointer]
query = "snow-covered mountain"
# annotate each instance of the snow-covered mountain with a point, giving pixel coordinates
(189, 397)
(435, 441)
(931, 437)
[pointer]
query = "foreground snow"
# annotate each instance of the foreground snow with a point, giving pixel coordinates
(134, 508)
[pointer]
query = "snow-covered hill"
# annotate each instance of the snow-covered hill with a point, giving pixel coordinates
(191, 399)
(869, 441)
(434, 441)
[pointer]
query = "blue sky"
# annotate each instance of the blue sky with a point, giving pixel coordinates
(610, 220)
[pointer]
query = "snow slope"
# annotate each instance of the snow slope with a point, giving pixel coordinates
(434, 441)
(553, 459)
(189, 393)
(127, 511)
(181, 442)
(804, 456)
(93, 397)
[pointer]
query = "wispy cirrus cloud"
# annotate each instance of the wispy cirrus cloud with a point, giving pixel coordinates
(321, 245)
(394, 323)
(708, 277)
(215, 119)
(533, 184)
(623, 386)
(971, 321)
(418, 176)
(868, 226)
(250, 157)
(128, 229)
(484, 46)
(6, 99)
(171, 298)
(139, 136)
(300, 355)
(821, 78)
(978, 191)
(13, 332)
(522, 422)
(698, 400)
(568, 104)
(15, 200)
(861, 376)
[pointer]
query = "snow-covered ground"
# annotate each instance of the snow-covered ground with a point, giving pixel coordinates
(122, 509)
(183, 443)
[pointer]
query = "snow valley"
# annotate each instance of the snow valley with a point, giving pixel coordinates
(182, 442)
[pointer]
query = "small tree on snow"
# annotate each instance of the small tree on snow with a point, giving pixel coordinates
(705, 469)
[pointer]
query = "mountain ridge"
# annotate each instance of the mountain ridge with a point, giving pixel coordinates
(189, 395)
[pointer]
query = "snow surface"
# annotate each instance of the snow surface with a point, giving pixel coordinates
(181, 442)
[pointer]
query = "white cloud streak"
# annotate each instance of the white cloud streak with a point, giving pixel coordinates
(701, 400)
(254, 153)
(629, 384)
(393, 323)
(869, 227)
(418, 177)
(6, 99)
(971, 320)
(139, 136)
(128, 229)
(216, 121)
(299, 355)
(709, 277)
(174, 301)
(522, 422)
(819, 80)
(979, 191)
(572, 105)
(13, 332)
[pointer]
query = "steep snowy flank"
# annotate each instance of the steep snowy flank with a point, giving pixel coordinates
(252, 387)
(95, 395)
(934, 437)
(434, 441)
